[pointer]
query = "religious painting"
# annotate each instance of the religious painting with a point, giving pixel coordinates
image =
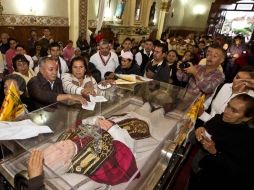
(138, 10)
(238, 23)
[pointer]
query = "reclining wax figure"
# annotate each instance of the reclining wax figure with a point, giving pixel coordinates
(106, 154)
(97, 152)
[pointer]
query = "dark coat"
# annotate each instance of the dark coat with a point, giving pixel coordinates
(134, 69)
(40, 91)
(161, 73)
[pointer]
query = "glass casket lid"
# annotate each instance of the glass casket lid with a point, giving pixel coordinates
(125, 103)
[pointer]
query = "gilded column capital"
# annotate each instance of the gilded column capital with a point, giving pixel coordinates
(165, 5)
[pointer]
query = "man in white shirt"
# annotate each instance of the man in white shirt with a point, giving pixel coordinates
(104, 60)
(54, 52)
(145, 55)
(227, 92)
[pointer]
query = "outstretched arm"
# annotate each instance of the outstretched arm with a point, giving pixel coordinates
(35, 171)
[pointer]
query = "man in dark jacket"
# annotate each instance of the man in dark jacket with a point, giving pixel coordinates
(127, 66)
(158, 69)
(46, 88)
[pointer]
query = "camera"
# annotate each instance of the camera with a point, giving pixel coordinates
(184, 65)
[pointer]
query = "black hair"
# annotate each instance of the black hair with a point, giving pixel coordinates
(20, 46)
(249, 69)
(20, 81)
(155, 42)
(54, 44)
(12, 39)
(79, 58)
(149, 40)
(164, 47)
(127, 39)
(17, 58)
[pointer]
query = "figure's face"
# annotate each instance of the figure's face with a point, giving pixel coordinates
(58, 156)
(171, 57)
(237, 82)
(22, 67)
(55, 52)
(104, 49)
(49, 70)
(214, 57)
(234, 112)
(78, 69)
(125, 63)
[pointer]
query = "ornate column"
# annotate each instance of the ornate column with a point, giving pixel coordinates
(165, 5)
(73, 6)
(1, 12)
(129, 12)
(83, 5)
(77, 18)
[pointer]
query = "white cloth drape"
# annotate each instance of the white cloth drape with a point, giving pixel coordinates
(100, 16)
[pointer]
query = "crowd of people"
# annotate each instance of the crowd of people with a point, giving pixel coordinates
(222, 69)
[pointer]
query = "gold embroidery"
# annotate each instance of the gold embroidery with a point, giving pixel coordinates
(138, 129)
(93, 153)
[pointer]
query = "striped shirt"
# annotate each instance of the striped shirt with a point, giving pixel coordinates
(71, 84)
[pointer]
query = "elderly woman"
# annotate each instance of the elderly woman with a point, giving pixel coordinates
(226, 153)
(21, 67)
(78, 80)
(224, 93)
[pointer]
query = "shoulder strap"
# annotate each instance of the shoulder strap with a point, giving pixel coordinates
(216, 92)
